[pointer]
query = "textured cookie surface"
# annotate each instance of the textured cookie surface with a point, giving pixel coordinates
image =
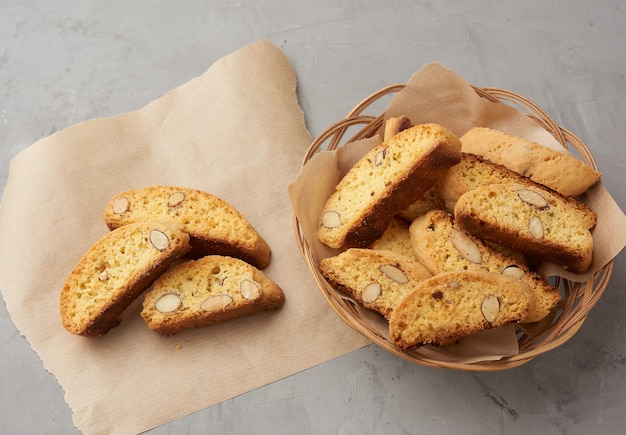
(471, 172)
(376, 279)
(563, 173)
(442, 247)
(456, 304)
(536, 221)
(385, 181)
(114, 272)
(396, 238)
(215, 226)
(210, 290)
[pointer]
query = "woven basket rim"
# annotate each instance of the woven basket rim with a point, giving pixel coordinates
(571, 312)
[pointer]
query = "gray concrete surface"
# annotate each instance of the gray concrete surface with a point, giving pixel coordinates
(65, 61)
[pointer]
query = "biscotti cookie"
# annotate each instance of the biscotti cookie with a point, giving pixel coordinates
(442, 247)
(376, 279)
(396, 238)
(114, 272)
(385, 181)
(430, 200)
(215, 226)
(563, 173)
(456, 304)
(471, 172)
(536, 221)
(210, 290)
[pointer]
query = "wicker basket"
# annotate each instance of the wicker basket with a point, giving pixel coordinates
(578, 298)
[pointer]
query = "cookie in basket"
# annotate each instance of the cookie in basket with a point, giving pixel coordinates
(375, 278)
(451, 305)
(563, 173)
(388, 179)
(442, 247)
(431, 199)
(471, 172)
(396, 238)
(207, 291)
(536, 221)
(215, 226)
(114, 272)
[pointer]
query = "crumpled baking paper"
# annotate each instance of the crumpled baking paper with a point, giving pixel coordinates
(237, 132)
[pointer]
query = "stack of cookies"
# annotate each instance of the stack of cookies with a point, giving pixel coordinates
(194, 255)
(440, 234)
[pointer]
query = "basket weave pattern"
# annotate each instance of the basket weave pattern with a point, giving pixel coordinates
(577, 298)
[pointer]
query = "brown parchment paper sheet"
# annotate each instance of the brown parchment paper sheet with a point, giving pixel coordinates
(236, 131)
(436, 94)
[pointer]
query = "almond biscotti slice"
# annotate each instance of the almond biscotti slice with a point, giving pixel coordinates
(207, 291)
(385, 181)
(430, 200)
(377, 279)
(215, 226)
(396, 238)
(533, 220)
(442, 247)
(563, 173)
(114, 272)
(456, 304)
(473, 171)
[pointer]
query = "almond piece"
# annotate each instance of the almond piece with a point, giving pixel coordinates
(249, 289)
(216, 303)
(533, 198)
(371, 292)
(379, 158)
(120, 205)
(466, 246)
(535, 227)
(513, 271)
(168, 303)
(175, 199)
(103, 276)
(159, 240)
(490, 308)
(331, 219)
(393, 273)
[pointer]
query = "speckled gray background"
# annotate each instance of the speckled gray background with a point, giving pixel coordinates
(64, 61)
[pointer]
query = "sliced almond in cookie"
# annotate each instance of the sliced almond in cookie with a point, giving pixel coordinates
(379, 158)
(168, 303)
(216, 303)
(249, 289)
(371, 292)
(394, 273)
(513, 271)
(159, 240)
(175, 199)
(490, 308)
(120, 205)
(466, 246)
(331, 219)
(533, 198)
